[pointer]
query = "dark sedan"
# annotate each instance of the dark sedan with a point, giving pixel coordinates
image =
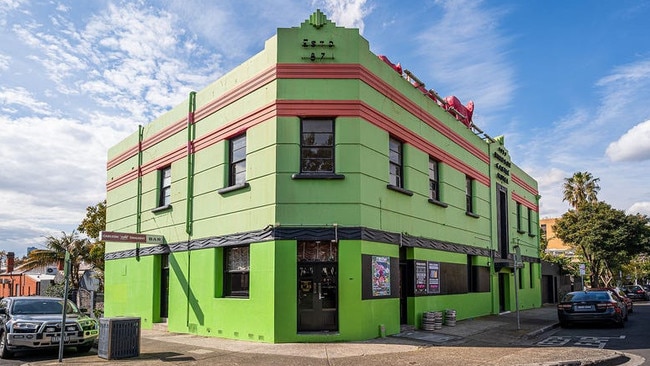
(636, 292)
(591, 307)
(620, 296)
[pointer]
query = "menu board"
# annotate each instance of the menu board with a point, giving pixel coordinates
(420, 277)
(433, 277)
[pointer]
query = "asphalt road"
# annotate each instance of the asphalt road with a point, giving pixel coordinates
(633, 338)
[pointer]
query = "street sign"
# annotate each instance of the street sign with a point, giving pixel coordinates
(131, 237)
(582, 269)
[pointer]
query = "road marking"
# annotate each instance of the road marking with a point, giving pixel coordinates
(580, 341)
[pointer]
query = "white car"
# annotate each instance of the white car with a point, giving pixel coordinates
(34, 322)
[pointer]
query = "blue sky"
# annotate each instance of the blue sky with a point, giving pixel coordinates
(566, 82)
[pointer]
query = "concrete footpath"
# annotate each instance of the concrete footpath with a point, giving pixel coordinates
(489, 340)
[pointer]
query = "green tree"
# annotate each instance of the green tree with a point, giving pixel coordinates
(605, 237)
(92, 225)
(55, 253)
(581, 188)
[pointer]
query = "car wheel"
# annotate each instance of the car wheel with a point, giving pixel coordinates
(84, 348)
(631, 309)
(4, 352)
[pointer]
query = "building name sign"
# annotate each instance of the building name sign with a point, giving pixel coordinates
(323, 50)
(502, 165)
(131, 237)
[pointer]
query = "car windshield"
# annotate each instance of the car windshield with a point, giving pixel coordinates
(587, 296)
(41, 306)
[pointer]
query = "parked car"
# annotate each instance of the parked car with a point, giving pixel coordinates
(636, 292)
(591, 307)
(620, 295)
(34, 322)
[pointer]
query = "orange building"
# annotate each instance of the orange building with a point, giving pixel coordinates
(555, 245)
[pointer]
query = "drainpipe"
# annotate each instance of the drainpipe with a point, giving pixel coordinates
(138, 223)
(492, 210)
(190, 162)
(190, 194)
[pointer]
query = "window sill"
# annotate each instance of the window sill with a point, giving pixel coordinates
(237, 297)
(162, 208)
(532, 235)
(438, 203)
(521, 232)
(399, 189)
(236, 187)
(472, 214)
(317, 176)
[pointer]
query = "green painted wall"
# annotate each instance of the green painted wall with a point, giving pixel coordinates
(196, 302)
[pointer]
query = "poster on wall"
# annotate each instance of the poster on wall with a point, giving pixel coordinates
(380, 276)
(433, 279)
(420, 278)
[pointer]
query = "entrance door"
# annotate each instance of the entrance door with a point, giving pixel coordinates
(503, 291)
(164, 286)
(317, 296)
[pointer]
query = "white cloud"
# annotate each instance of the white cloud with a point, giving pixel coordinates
(634, 145)
(4, 62)
(347, 13)
(639, 207)
(23, 98)
(470, 60)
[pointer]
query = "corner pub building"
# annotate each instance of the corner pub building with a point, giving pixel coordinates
(316, 193)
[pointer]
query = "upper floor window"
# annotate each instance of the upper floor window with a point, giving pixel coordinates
(469, 194)
(317, 146)
(519, 217)
(237, 173)
(396, 168)
(434, 184)
(165, 187)
(237, 271)
(530, 222)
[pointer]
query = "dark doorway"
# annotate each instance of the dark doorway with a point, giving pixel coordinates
(503, 291)
(403, 288)
(317, 296)
(164, 286)
(318, 286)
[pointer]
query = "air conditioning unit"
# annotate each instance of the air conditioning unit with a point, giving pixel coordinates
(51, 270)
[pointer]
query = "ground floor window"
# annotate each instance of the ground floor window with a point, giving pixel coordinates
(237, 271)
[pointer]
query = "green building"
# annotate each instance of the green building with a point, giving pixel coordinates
(315, 194)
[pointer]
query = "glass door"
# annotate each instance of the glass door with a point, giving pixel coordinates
(317, 287)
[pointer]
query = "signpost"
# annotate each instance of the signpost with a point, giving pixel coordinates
(582, 275)
(131, 237)
(517, 263)
(66, 274)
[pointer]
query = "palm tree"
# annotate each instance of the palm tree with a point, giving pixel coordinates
(55, 253)
(581, 188)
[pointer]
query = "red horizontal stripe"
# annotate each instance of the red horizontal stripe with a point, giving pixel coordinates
(524, 185)
(525, 202)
